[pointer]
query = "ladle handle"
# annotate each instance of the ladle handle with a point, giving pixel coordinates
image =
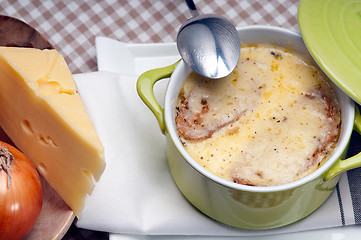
(192, 8)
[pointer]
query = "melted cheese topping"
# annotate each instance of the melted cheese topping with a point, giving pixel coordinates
(272, 121)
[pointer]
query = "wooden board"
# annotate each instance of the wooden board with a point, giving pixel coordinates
(56, 217)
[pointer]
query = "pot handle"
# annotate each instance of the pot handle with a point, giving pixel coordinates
(145, 86)
(347, 164)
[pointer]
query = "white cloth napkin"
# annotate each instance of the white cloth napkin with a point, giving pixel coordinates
(136, 194)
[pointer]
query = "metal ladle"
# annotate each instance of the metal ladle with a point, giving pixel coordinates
(209, 44)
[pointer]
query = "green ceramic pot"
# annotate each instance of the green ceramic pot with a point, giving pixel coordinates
(234, 204)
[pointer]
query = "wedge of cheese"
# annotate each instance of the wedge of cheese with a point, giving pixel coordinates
(43, 114)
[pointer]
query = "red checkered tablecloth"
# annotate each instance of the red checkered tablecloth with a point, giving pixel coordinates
(71, 26)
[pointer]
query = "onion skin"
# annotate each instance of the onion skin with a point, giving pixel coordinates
(20, 205)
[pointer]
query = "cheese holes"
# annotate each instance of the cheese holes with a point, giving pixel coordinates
(69, 92)
(47, 141)
(42, 168)
(88, 175)
(48, 87)
(42, 140)
(51, 141)
(26, 126)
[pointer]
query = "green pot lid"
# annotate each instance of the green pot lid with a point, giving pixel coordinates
(331, 30)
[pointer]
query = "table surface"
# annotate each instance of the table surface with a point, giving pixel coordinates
(71, 26)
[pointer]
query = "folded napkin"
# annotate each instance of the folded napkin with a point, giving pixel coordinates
(137, 195)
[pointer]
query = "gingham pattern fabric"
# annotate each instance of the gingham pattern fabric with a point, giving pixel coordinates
(71, 26)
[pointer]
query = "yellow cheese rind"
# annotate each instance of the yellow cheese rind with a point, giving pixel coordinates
(42, 112)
